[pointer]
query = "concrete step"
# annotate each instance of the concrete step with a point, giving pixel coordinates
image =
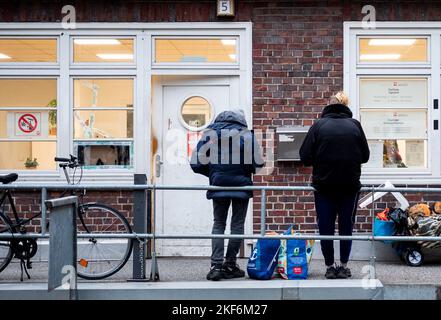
(205, 290)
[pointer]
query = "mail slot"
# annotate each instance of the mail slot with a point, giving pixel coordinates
(289, 141)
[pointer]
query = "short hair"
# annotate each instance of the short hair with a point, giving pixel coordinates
(340, 97)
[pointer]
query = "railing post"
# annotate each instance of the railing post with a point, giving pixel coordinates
(63, 245)
(263, 213)
(154, 273)
(43, 210)
(373, 258)
(139, 226)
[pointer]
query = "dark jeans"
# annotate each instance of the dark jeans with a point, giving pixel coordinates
(220, 212)
(328, 207)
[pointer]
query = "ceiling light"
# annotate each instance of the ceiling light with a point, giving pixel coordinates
(392, 42)
(115, 56)
(228, 42)
(97, 41)
(4, 56)
(391, 56)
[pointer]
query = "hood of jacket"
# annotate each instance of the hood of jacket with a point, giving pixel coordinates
(336, 111)
(228, 120)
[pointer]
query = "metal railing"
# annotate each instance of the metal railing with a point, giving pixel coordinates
(149, 194)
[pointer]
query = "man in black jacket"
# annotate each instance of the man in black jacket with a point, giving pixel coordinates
(336, 147)
(228, 155)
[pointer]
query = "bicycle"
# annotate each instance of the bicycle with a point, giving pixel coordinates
(98, 258)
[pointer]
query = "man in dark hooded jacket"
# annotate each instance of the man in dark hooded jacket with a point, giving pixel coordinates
(228, 155)
(336, 147)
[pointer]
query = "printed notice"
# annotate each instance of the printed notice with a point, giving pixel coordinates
(415, 153)
(376, 154)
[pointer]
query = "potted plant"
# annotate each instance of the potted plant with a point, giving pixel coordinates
(31, 163)
(53, 117)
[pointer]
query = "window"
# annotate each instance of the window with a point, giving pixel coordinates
(103, 50)
(196, 113)
(28, 123)
(393, 49)
(103, 122)
(196, 50)
(393, 112)
(28, 50)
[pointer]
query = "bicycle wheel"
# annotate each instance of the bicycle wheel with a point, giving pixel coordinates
(5, 245)
(99, 258)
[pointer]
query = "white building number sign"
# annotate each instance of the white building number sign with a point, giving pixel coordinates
(225, 7)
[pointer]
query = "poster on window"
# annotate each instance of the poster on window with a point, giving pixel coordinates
(415, 153)
(27, 124)
(394, 124)
(393, 93)
(376, 154)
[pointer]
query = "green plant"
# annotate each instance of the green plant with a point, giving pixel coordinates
(53, 113)
(29, 163)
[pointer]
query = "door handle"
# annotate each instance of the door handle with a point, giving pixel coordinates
(158, 164)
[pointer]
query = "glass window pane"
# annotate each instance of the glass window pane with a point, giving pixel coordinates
(393, 153)
(28, 50)
(103, 93)
(196, 50)
(393, 93)
(196, 112)
(103, 50)
(103, 124)
(393, 50)
(105, 154)
(394, 124)
(28, 124)
(27, 155)
(28, 93)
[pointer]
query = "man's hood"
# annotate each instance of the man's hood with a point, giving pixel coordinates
(228, 119)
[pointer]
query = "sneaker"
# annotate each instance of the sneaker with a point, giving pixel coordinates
(232, 271)
(343, 273)
(331, 273)
(215, 273)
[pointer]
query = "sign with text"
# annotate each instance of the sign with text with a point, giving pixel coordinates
(393, 93)
(394, 124)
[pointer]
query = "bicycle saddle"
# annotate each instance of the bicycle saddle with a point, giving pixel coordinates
(8, 178)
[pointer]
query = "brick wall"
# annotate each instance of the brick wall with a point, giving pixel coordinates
(297, 65)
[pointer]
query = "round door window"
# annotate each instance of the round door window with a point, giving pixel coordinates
(196, 113)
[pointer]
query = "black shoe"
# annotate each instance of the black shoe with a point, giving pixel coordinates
(331, 273)
(231, 271)
(215, 273)
(343, 273)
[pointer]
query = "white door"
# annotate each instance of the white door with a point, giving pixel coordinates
(188, 106)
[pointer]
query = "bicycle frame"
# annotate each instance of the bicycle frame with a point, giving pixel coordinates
(18, 221)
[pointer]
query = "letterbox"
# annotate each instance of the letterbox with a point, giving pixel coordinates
(289, 141)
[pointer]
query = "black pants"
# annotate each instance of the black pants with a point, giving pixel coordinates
(328, 207)
(220, 212)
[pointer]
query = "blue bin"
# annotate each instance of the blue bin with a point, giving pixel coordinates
(384, 229)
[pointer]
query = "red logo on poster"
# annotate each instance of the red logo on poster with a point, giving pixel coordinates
(297, 270)
(27, 123)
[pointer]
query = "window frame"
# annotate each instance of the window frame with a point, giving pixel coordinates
(143, 71)
(195, 64)
(32, 64)
(353, 71)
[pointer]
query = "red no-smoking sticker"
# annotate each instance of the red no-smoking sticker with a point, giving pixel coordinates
(27, 123)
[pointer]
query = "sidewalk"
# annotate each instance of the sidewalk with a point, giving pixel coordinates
(195, 269)
(184, 278)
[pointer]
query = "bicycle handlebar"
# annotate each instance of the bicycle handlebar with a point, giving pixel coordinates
(58, 159)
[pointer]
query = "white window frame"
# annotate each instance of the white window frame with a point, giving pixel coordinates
(142, 69)
(353, 70)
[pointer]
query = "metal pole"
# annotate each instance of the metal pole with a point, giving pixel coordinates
(373, 258)
(139, 226)
(263, 213)
(154, 273)
(43, 210)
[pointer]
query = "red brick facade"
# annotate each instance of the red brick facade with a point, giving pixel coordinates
(297, 65)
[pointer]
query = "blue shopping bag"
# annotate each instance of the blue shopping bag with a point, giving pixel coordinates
(384, 228)
(293, 258)
(263, 259)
